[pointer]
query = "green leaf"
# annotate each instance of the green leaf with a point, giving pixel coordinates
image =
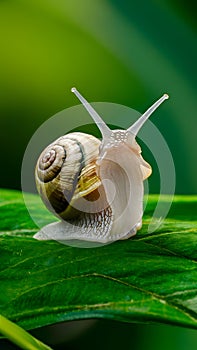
(150, 278)
(20, 337)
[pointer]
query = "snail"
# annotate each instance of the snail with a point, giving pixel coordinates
(94, 187)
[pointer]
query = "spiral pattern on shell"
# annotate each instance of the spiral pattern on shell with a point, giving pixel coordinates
(50, 162)
(59, 168)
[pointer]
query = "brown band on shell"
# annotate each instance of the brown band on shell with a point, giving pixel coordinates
(59, 169)
(55, 184)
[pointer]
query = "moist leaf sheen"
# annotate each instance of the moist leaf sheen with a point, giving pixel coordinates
(149, 278)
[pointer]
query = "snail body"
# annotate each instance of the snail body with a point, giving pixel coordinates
(94, 187)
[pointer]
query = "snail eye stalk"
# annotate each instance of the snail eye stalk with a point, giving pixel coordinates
(104, 129)
(134, 129)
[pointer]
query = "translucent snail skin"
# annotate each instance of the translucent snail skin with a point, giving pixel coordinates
(94, 187)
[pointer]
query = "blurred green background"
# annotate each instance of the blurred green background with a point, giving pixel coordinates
(126, 52)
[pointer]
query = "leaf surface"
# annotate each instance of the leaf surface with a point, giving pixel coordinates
(150, 278)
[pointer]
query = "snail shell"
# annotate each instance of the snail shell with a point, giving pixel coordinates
(94, 187)
(66, 171)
